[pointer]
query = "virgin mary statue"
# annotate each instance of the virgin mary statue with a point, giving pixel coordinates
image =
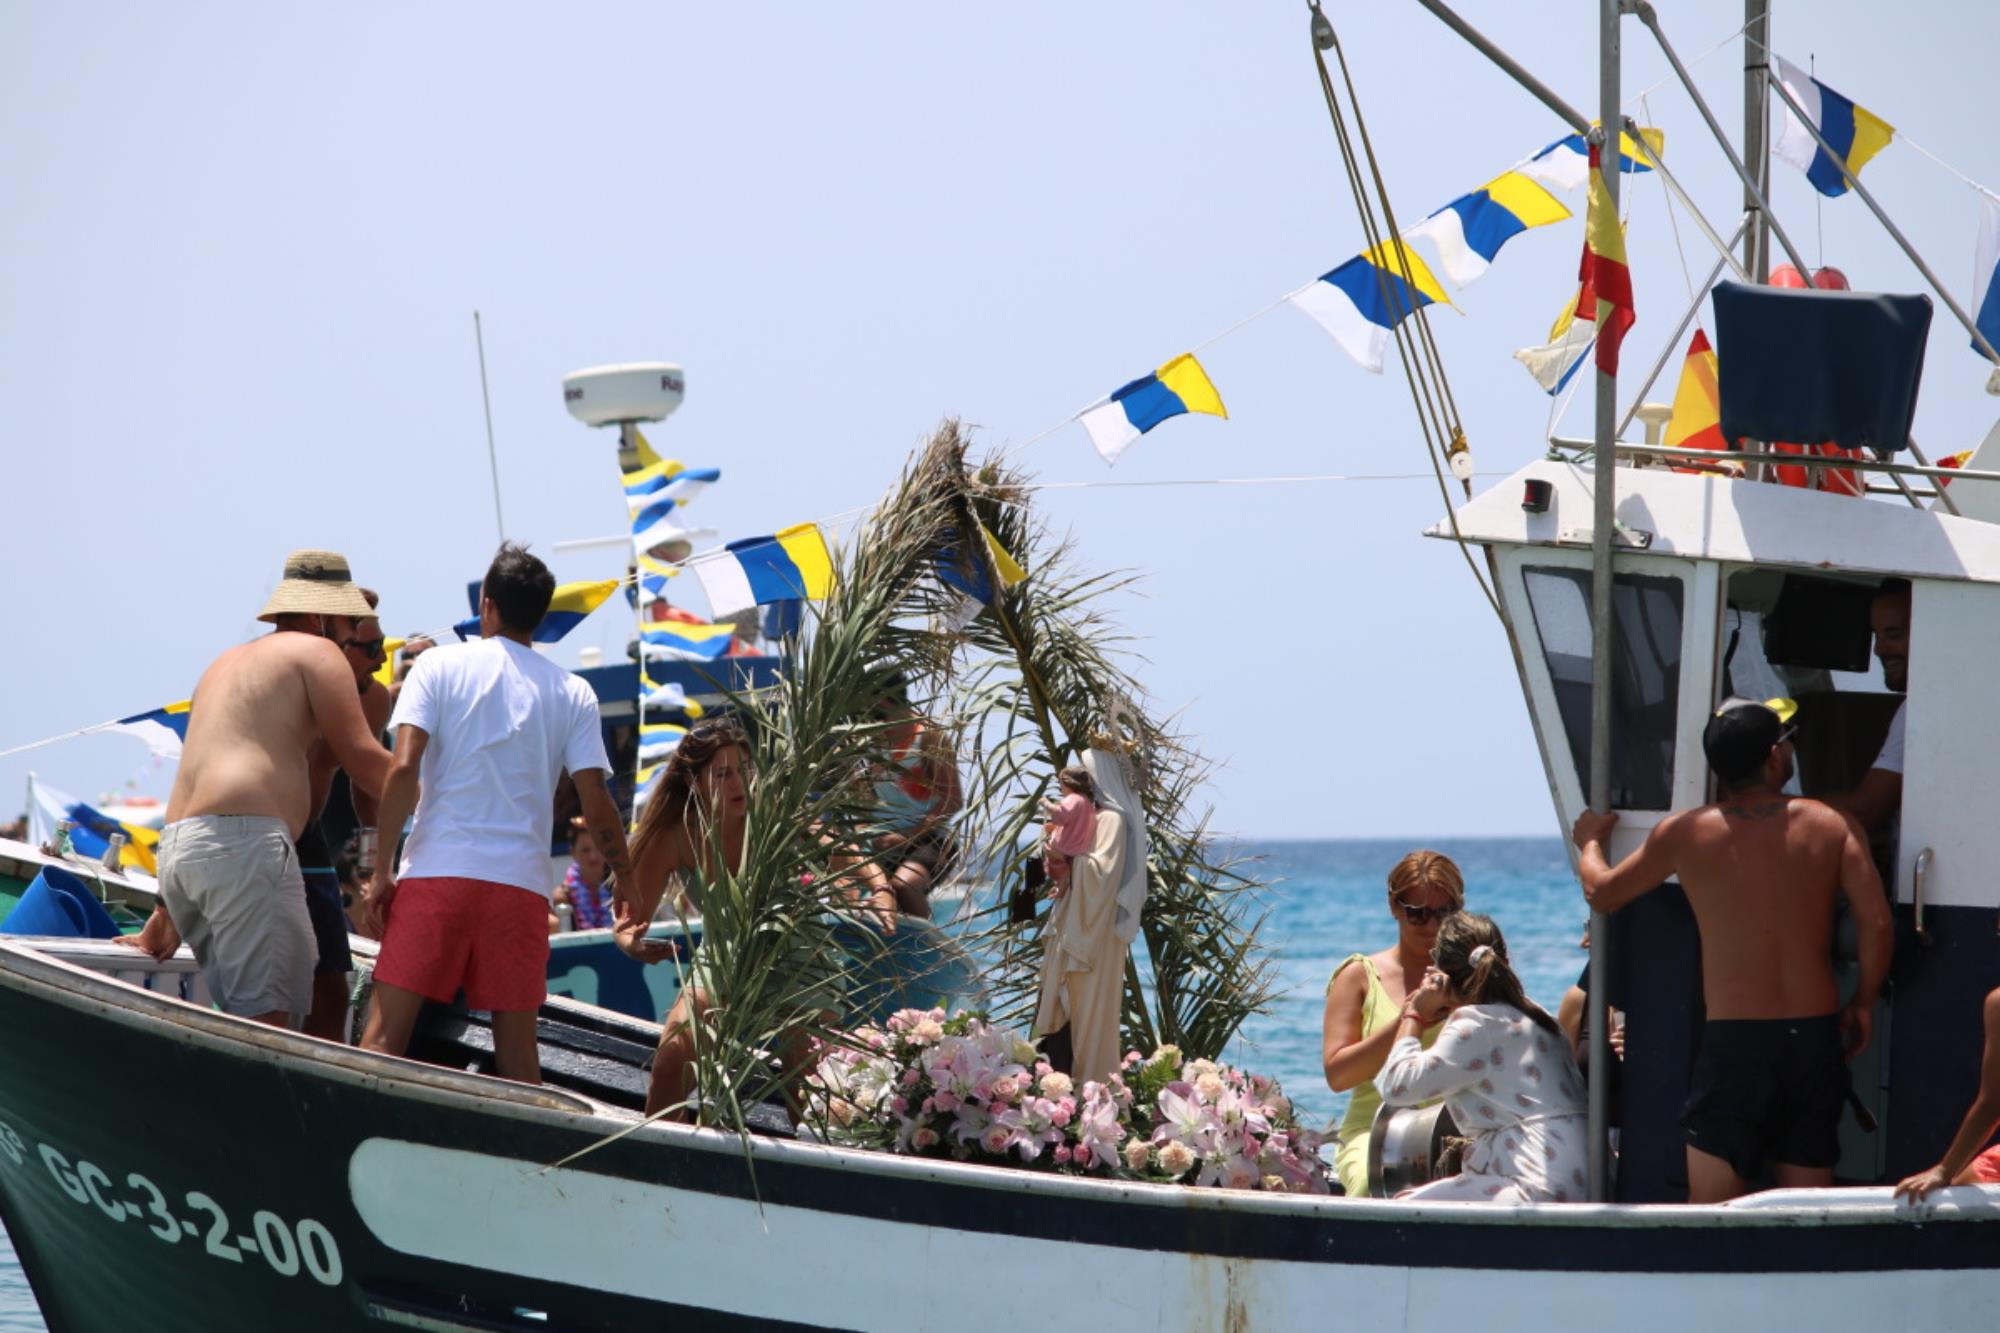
(1090, 931)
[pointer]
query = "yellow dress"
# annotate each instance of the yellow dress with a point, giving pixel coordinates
(1378, 1010)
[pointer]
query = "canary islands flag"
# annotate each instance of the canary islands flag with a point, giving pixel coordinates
(162, 730)
(90, 828)
(1362, 300)
(657, 740)
(667, 481)
(964, 572)
(1470, 230)
(571, 603)
(668, 697)
(1855, 133)
(677, 641)
(791, 565)
(1986, 274)
(1178, 387)
(1565, 164)
(1555, 362)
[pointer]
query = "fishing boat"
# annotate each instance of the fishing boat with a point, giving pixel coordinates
(318, 1186)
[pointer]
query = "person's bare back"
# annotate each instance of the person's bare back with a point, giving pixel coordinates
(258, 711)
(1762, 875)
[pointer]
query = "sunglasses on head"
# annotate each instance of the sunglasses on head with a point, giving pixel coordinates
(1422, 916)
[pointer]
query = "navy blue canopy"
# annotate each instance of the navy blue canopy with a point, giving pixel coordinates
(1819, 367)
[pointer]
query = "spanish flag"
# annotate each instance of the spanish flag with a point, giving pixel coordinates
(1607, 283)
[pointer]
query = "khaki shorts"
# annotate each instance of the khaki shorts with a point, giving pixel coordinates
(232, 884)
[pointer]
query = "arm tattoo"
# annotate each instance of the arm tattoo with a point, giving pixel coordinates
(613, 847)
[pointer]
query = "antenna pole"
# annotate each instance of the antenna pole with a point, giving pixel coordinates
(1756, 129)
(486, 400)
(1602, 630)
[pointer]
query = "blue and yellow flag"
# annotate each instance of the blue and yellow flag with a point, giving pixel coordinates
(163, 729)
(791, 565)
(1855, 132)
(675, 640)
(571, 603)
(1176, 388)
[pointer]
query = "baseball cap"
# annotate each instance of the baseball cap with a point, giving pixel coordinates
(1743, 732)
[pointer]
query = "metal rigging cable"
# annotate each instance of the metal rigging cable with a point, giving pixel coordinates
(1423, 367)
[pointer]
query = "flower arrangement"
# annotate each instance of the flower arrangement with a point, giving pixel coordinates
(959, 1087)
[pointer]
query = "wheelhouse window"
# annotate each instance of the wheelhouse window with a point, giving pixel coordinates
(1806, 636)
(1645, 674)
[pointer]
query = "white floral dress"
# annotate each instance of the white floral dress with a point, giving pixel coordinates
(1514, 1090)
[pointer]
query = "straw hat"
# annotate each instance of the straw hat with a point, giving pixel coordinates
(316, 583)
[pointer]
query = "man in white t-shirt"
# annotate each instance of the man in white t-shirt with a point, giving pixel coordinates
(490, 726)
(1878, 797)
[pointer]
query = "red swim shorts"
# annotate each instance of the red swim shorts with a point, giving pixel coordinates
(491, 939)
(1986, 1167)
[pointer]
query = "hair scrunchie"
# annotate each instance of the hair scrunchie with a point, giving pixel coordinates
(1480, 955)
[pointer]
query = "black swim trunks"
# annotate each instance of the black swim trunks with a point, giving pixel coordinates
(1768, 1090)
(329, 918)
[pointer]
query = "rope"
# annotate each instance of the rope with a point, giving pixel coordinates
(1423, 367)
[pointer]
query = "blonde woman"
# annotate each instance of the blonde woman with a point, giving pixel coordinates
(1365, 996)
(1504, 1069)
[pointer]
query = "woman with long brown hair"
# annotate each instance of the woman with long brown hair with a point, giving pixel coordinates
(1502, 1066)
(1365, 995)
(692, 829)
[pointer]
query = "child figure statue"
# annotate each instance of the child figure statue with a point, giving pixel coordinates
(1072, 825)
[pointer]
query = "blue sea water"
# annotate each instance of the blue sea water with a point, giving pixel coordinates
(1329, 899)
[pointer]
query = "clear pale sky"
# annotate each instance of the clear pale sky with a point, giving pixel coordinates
(243, 244)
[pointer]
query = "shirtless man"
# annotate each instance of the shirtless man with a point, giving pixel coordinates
(1761, 870)
(229, 877)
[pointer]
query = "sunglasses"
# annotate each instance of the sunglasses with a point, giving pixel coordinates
(372, 647)
(1422, 916)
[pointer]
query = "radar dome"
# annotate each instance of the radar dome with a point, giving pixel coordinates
(636, 391)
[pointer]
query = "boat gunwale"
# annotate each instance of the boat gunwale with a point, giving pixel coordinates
(22, 966)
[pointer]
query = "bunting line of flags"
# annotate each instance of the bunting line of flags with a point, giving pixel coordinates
(1360, 302)
(655, 493)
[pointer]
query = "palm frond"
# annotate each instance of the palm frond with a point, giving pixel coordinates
(1025, 686)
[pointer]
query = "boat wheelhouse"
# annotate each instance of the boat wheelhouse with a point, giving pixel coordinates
(1722, 588)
